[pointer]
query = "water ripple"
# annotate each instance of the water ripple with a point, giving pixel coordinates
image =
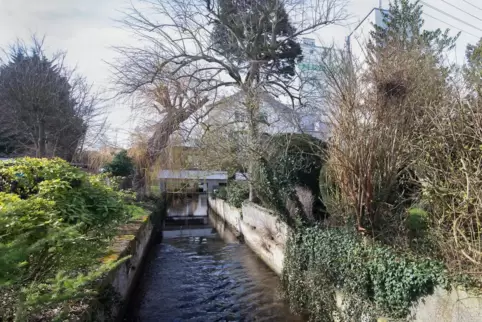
(204, 279)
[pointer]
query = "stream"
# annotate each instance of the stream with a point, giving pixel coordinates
(201, 272)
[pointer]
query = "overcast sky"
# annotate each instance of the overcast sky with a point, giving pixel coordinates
(86, 29)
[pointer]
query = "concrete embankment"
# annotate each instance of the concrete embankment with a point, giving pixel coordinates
(267, 236)
(260, 228)
(133, 241)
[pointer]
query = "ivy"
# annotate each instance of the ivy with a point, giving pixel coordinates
(237, 192)
(234, 193)
(373, 278)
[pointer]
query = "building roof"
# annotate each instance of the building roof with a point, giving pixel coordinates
(240, 176)
(193, 174)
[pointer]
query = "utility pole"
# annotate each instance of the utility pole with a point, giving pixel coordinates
(348, 38)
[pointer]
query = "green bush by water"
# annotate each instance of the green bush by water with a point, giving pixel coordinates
(222, 193)
(373, 278)
(55, 225)
(237, 192)
(234, 193)
(294, 160)
(299, 158)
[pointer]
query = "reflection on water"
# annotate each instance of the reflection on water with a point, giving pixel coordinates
(196, 205)
(205, 278)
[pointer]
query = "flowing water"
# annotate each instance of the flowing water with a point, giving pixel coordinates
(202, 273)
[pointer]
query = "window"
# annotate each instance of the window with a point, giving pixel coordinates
(263, 117)
(308, 42)
(239, 116)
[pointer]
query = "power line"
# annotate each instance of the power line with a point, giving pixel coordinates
(451, 16)
(457, 28)
(473, 5)
(454, 6)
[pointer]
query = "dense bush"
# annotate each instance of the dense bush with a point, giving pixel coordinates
(299, 157)
(404, 158)
(222, 193)
(292, 165)
(237, 192)
(55, 223)
(121, 165)
(373, 278)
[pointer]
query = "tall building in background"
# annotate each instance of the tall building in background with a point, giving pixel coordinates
(312, 86)
(316, 57)
(358, 39)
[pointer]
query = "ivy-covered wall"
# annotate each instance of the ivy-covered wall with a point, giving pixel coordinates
(374, 280)
(335, 274)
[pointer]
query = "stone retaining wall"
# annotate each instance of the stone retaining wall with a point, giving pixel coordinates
(267, 236)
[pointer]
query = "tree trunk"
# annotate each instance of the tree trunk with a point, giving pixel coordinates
(253, 140)
(253, 105)
(251, 169)
(41, 153)
(139, 183)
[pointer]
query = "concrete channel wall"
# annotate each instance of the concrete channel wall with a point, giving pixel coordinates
(261, 230)
(133, 240)
(267, 237)
(123, 279)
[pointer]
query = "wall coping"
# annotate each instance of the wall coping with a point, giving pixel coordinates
(133, 240)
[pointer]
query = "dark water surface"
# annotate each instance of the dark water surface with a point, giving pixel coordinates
(207, 278)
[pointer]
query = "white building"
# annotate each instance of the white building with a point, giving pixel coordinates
(275, 117)
(316, 56)
(191, 180)
(357, 40)
(313, 93)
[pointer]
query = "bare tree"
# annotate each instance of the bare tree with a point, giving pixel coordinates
(90, 108)
(246, 45)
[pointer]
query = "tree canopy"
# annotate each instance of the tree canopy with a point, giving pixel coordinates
(403, 26)
(121, 165)
(257, 30)
(473, 67)
(41, 106)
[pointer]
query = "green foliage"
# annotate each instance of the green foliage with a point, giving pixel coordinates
(274, 189)
(237, 192)
(55, 222)
(63, 288)
(293, 160)
(222, 193)
(417, 220)
(242, 31)
(473, 67)
(299, 157)
(137, 212)
(121, 165)
(373, 278)
(403, 26)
